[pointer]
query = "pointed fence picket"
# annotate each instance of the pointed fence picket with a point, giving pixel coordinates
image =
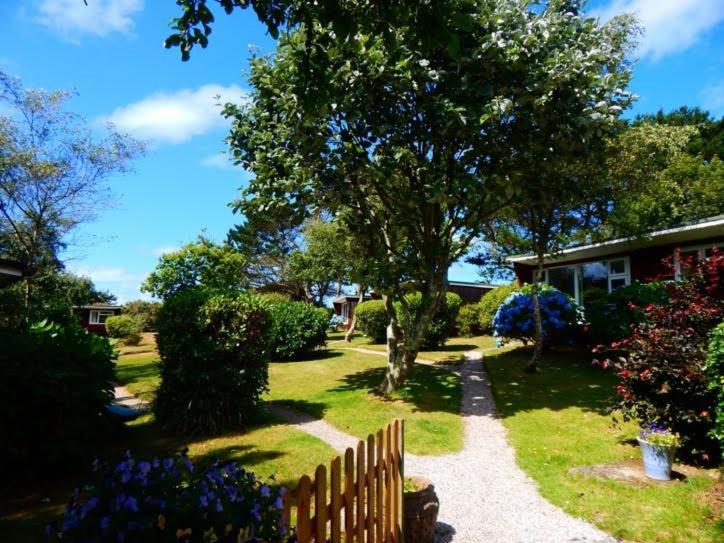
(363, 504)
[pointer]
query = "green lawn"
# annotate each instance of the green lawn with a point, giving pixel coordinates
(339, 386)
(557, 420)
(139, 373)
(452, 352)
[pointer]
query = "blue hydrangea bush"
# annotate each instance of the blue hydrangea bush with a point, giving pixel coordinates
(515, 319)
(165, 500)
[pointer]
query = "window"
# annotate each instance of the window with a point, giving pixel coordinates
(687, 257)
(586, 282)
(99, 316)
(617, 274)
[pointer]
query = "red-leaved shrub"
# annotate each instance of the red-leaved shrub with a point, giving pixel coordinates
(662, 365)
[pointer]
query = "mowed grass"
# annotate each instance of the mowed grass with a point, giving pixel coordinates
(270, 448)
(452, 351)
(557, 420)
(340, 387)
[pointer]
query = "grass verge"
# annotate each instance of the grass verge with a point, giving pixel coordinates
(557, 419)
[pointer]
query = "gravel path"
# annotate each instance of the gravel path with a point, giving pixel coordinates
(484, 495)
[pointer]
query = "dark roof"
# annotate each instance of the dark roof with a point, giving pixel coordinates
(711, 227)
(98, 305)
(348, 297)
(470, 284)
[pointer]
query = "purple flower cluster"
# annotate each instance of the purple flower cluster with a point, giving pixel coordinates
(653, 428)
(163, 500)
(515, 319)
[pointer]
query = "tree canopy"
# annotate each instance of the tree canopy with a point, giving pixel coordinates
(53, 173)
(200, 263)
(413, 147)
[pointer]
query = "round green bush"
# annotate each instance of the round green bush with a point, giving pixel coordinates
(489, 304)
(55, 383)
(372, 320)
(468, 322)
(611, 316)
(124, 327)
(443, 323)
(214, 360)
(275, 297)
(297, 329)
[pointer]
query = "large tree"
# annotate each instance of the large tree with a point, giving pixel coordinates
(201, 263)
(53, 174)
(413, 145)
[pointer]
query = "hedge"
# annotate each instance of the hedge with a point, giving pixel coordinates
(214, 360)
(372, 320)
(489, 303)
(297, 328)
(443, 323)
(126, 328)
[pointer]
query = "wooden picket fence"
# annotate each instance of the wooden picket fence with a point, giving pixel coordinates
(366, 506)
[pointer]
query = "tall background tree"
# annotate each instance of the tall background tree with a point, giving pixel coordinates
(53, 174)
(413, 146)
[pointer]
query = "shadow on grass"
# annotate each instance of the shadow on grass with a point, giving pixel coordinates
(315, 410)
(565, 379)
(427, 388)
(314, 356)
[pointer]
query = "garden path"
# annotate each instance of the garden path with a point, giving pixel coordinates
(484, 495)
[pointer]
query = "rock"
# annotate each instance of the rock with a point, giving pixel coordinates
(632, 472)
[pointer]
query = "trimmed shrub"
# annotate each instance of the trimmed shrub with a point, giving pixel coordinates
(664, 372)
(715, 373)
(443, 323)
(468, 321)
(515, 318)
(214, 360)
(157, 500)
(297, 329)
(611, 316)
(372, 320)
(55, 382)
(489, 303)
(124, 327)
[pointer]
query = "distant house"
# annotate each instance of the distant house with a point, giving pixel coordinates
(344, 307)
(469, 292)
(93, 317)
(11, 271)
(616, 263)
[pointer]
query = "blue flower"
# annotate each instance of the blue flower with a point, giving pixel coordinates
(131, 504)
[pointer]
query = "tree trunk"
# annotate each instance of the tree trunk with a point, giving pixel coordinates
(532, 366)
(396, 368)
(350, 331)
(402, 351)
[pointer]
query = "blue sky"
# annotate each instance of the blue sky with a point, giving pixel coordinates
(111, 53)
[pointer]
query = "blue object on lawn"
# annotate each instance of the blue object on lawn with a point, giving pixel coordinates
(657, 460)
(122, 412)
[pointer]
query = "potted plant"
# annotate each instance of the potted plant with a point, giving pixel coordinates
(658, 446)
(421, 508)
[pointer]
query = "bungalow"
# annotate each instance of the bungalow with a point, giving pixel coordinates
(469, 292)
(11, 271)
(616, 263)
(93, 317)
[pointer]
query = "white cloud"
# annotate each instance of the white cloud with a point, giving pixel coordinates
(712, 98)
(221, 161)
(72, 18)
(178, 116)
(109, 275)
(670, 25)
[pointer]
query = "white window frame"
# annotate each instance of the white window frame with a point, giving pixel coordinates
(345, 311)
(577, 278)
(95, 315)
(700, 255)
